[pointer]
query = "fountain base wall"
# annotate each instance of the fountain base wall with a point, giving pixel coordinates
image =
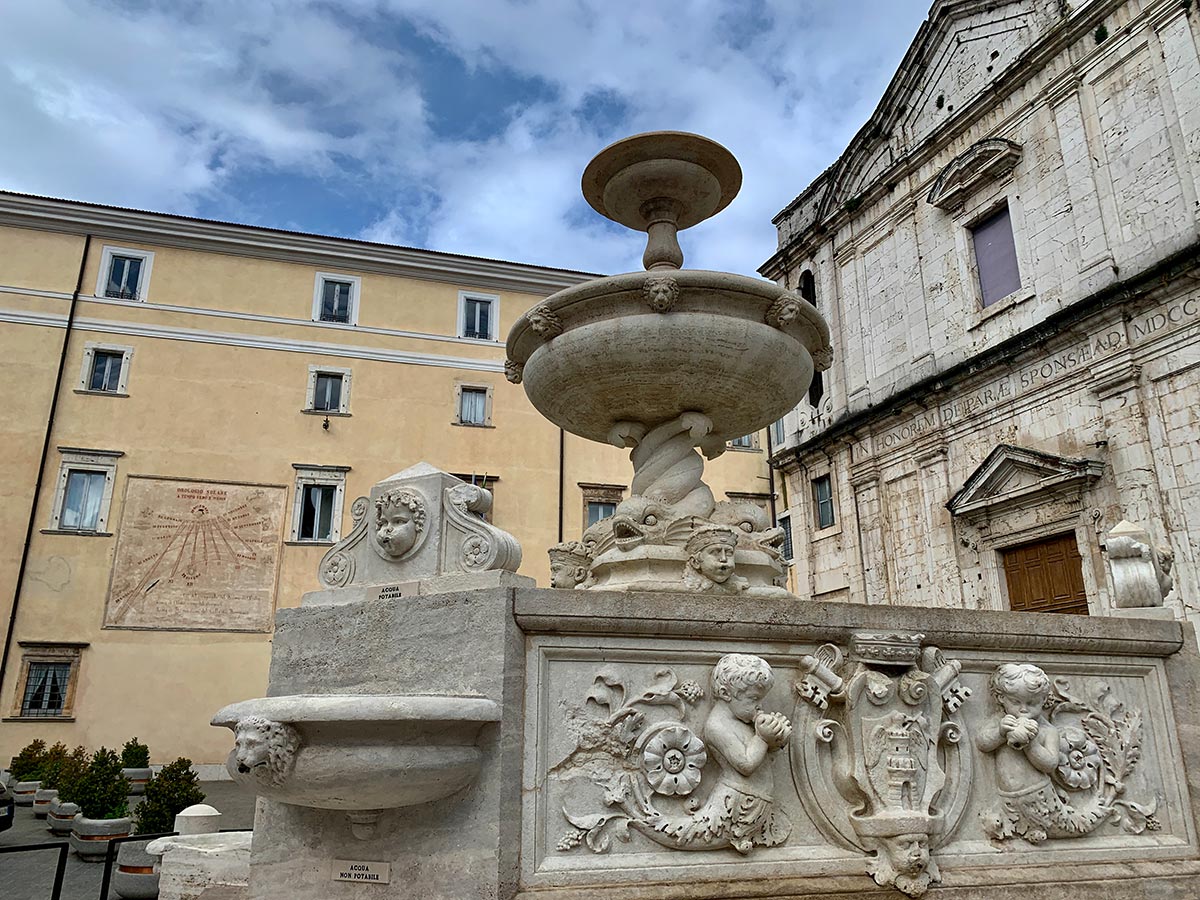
(592, 684)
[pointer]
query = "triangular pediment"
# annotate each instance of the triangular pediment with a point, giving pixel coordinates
(1015, 475)
(964, 46)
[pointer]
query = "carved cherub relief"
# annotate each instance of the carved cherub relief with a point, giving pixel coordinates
(669, 759)
(399, 522)
(1059, 781)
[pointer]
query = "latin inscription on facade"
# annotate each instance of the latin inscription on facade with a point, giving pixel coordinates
(1038, 374)
(196, 555)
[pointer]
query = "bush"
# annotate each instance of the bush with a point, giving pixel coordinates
(50, 769)
(27, 763)
(102, 790)
(70, 773)
(172, 791)
(135, 755)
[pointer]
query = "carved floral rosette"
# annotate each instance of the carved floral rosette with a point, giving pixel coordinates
(877, 758)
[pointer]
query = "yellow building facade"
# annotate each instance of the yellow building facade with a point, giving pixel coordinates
(192, 408)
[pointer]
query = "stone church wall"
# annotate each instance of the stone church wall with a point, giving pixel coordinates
(1093, 358)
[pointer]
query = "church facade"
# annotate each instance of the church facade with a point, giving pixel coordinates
(1008, 257)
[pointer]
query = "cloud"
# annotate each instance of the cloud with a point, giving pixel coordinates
(461, 126)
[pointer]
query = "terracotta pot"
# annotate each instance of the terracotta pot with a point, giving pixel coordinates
(90, 837)
(23, 792)
(41, 801)
(135, 878)
(60, 817)
(138, 779)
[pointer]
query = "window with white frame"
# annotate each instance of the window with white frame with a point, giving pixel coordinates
(995, 256)
(745, 442)
(822, 494)
(84, 490)
(478, 315)
(473, 403)
(328, 390)
(124, 273)
(335, 298)
(105, 368)
(317, 509)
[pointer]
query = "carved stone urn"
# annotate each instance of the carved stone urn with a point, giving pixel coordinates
(666, 361)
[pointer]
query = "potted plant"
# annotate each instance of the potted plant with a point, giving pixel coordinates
(102, 794)
(135, 765)
(26, 767)
(48, 775)
(174, 789)
(60, 817)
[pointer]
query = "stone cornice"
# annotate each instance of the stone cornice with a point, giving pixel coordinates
(160, 229)
(1133, 290)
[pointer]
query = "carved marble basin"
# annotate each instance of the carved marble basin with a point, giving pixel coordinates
(356, 753)
(649, 346)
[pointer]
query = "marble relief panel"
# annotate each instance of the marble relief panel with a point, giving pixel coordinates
(761, 760)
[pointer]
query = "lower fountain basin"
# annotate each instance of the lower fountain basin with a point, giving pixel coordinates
(351, 752)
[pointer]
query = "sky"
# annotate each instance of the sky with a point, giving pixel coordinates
(446, 124)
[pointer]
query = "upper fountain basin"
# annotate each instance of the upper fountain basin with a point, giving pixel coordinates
(649, 346)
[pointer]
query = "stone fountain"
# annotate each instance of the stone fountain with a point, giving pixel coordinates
(667, 361)
(668, 721)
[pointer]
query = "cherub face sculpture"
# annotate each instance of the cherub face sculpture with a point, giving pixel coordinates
(1020, 689)
(741, 681)
(568, 565)
(908, 853)
(711, 552)
(399, 522)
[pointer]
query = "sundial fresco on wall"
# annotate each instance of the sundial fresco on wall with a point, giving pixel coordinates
(196, 555)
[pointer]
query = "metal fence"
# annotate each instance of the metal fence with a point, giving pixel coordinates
(60, 869)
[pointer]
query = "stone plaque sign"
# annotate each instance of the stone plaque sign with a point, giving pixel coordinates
(196, 555)
(370, 872)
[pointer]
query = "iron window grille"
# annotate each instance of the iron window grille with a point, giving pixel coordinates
(45, 689)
